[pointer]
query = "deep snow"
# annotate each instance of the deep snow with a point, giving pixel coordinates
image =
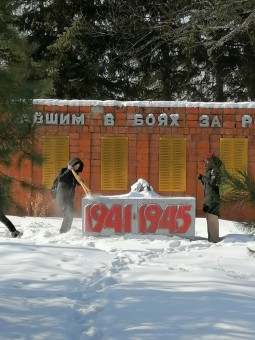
(71, 287)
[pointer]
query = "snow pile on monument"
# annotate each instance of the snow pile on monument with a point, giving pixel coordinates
(140, 189)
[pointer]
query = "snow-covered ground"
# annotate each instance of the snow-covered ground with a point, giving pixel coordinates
(71, 287)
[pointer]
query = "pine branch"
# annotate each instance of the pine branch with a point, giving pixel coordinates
(238, 189)
(24, 184)
(246, 226)
(251, 252)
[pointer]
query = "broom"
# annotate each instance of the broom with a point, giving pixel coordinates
(82, 184)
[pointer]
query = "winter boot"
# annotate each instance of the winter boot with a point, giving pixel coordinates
(16, 233)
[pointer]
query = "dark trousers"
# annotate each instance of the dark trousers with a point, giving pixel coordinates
(7, 222)
(68, 214)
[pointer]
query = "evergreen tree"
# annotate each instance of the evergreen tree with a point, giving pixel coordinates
(17, 91)
(76, 60)
(136, 49)
(239, 190)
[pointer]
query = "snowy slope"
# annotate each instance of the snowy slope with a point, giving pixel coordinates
(67, 287)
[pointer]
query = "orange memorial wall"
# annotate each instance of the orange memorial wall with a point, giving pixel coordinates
(120, 142)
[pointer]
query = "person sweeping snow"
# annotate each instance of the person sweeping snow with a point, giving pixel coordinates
(211, 206)
(66, 191)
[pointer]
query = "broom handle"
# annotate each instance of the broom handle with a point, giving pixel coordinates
(82, 184)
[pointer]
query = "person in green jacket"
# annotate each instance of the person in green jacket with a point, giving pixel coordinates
(211, 206)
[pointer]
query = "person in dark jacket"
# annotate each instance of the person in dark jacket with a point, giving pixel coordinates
(66, 190)
(14, 232)
(211, 206)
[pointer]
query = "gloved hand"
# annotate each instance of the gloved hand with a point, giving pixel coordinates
(199, 176)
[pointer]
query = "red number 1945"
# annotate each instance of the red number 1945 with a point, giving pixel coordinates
(176, 219)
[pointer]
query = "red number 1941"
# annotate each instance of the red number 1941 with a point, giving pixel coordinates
(98, 216)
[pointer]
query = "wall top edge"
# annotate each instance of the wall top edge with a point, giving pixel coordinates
(145, 103)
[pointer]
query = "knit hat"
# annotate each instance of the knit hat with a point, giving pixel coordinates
(208, 155)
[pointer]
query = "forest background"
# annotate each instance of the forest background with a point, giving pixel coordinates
(141, 50)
